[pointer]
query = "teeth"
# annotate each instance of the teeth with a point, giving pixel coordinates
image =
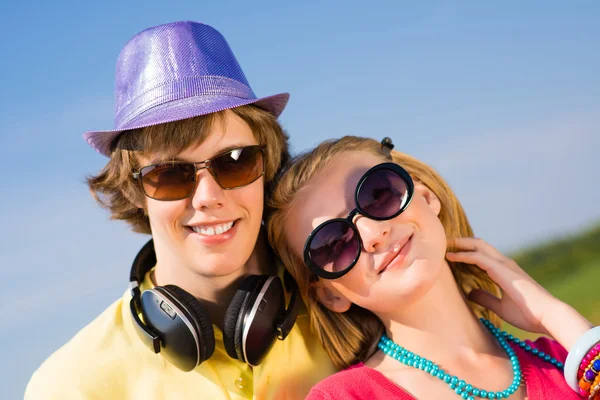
(213, 230)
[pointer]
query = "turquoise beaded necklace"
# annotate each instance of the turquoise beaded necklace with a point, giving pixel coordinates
(460, 387)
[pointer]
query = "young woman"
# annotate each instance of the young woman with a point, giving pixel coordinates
(404, 299)
(191, 157)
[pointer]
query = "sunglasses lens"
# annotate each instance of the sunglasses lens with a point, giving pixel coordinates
(175, 181)
(169, 181)
(383, 194)
(334, 247)
(238, 167)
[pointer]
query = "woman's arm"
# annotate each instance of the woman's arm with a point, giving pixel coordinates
(524, 303)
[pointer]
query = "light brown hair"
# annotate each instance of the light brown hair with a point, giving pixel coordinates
(352, 336)
(114, 187)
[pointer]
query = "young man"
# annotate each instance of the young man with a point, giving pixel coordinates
(191, 156)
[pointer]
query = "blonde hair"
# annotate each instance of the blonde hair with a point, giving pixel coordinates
(352, 336)
(114, 187)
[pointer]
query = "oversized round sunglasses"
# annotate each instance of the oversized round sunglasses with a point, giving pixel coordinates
(333, 247)
(176, 180)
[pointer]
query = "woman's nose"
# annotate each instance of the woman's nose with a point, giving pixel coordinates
(374, 234)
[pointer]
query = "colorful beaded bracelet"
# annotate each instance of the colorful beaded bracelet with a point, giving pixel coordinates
(587, 360)
(576, 354)
(587, 370)
(589, 377)
(595, 389)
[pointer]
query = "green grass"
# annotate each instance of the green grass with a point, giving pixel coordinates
(579, 289)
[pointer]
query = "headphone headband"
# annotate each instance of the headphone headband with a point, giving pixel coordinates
(291, 313)
(143, 262)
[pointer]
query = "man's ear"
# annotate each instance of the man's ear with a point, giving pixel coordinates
(430, 198)
(136, 198)
(330, 297)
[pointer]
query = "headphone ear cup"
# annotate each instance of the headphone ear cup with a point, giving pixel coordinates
(234, 316)
(197, 315)
(260, 319)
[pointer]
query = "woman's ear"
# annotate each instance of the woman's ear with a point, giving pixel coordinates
(430, 198)
(330, 297)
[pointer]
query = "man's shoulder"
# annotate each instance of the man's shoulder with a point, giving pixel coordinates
(97, 355)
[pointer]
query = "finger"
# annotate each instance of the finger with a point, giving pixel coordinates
(461, 243)
(476, 244)
(497, 270)
(482, 260)
(486, 300)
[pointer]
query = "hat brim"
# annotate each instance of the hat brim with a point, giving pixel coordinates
(182, 109)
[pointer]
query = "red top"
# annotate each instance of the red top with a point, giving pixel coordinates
(543, 380)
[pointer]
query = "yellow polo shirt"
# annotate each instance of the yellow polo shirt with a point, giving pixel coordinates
(107, 360)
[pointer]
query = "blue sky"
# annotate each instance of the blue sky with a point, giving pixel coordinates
(502, 98)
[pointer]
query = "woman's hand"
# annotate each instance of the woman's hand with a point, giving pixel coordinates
(525, 303)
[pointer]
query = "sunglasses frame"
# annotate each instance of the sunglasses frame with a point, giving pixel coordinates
(206, 164)
(410, 188)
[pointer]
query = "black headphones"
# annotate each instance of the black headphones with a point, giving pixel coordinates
(178, 325)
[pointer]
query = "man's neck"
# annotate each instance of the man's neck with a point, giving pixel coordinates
(215, 293)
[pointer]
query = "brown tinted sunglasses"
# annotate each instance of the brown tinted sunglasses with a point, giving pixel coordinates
(176, 180)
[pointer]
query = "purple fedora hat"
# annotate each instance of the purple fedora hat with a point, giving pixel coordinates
(176, 71)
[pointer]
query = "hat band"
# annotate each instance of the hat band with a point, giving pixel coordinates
(181, 89)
